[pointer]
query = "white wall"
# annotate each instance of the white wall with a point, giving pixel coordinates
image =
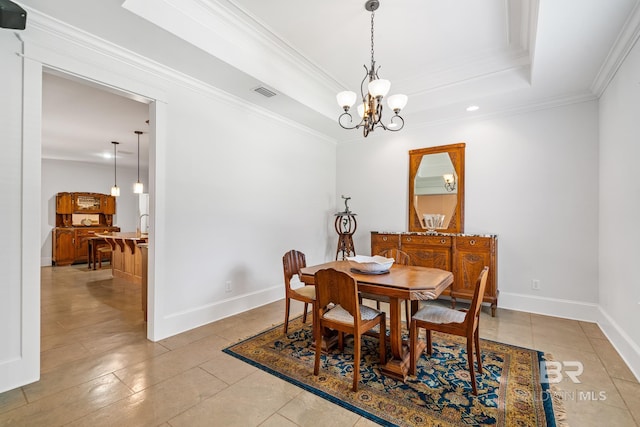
(60, 175)
(20, 193)
(531, 178)
(241, 190)
(620, 209)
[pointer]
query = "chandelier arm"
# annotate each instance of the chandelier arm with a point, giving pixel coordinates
(362, 86)
(375, 73)
(350, 121)
(399, 127)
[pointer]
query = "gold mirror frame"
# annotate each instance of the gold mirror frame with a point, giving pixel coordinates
(456, 154)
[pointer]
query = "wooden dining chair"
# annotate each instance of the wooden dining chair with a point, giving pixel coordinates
(401, 258)
(457, 322)
(101, 251)
(292, 262)
(339, 308)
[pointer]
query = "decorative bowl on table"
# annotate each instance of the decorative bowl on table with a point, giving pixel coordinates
(370, 264)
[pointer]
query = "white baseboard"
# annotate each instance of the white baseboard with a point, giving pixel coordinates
(569, 309)
(45, 262)
(578, 310)
(176, 323)
(628, 350)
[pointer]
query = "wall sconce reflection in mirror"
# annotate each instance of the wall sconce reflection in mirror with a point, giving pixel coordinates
(449, 182)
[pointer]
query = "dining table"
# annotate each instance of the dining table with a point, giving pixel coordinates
(399, 283)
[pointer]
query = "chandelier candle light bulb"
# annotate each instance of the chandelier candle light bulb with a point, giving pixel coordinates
(371, 110)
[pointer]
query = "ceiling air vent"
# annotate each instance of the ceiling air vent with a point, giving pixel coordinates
(264, 91)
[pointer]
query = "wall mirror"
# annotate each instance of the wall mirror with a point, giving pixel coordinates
(436, 189)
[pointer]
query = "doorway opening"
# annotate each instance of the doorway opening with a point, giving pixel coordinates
(80, 119)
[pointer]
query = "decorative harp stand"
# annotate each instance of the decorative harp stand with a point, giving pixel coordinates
(345, 227)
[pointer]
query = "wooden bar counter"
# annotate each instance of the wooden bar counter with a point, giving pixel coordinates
(126, 259)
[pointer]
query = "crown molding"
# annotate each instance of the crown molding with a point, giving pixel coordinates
(543, 104)
(249, 24)
(57, 29)
(624, 43)
(235, 37)
(521, 23)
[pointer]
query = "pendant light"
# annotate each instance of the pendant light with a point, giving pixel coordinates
(115, 190)
(138, 187)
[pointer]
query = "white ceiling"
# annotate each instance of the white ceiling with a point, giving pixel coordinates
(80, 120)
(502, 55)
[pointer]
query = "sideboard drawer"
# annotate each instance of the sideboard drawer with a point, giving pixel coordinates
(384, 241)
(472, 242)
(413, 239)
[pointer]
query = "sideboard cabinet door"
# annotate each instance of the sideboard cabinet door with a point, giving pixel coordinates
(64, 251)
(108, 205)
(64, 203)
(471, 255)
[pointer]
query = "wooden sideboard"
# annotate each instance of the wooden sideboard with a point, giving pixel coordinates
(70, 237)
(465, 255)
(71, 244)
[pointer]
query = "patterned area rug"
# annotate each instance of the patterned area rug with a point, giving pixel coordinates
(510, 391)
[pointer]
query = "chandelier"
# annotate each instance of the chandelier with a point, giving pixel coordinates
(370, 110)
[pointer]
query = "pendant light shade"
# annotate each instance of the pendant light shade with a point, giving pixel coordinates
(379, 87)
(115, 190)
(138, 187)
(346, 99)
(397, 102)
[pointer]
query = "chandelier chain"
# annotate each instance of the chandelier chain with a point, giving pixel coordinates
(372, 60)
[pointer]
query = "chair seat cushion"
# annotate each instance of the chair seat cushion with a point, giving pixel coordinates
(436, 314)
(307, 291)
(339, 314)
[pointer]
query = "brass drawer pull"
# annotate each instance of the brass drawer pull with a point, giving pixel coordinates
(472, 242)
(408, 239)
(443, 241)
(384, 239)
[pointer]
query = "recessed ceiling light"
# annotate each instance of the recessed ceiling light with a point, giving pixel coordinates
(473, 108)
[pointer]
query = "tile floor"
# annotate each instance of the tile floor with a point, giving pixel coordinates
(98, 369)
